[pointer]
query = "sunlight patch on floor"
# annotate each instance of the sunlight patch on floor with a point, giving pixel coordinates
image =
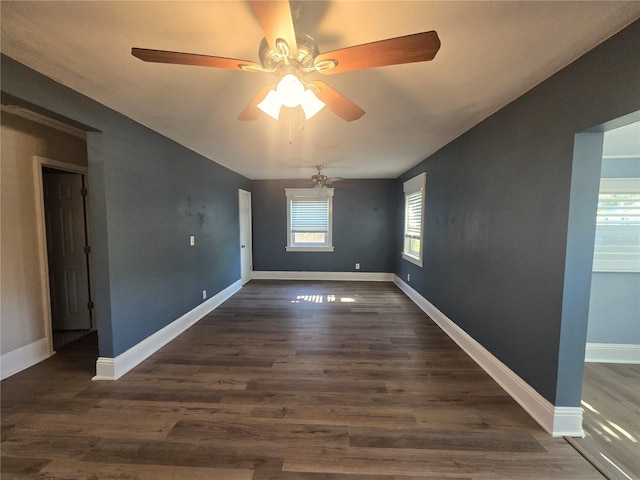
(322, 299)
(614, 466)
(623, 431)
(589, 407)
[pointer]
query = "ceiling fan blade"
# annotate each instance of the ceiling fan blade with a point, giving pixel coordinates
(276, 21)
(418, 47)
(163, 56)
(339, 183)
(336, 102)
(252, 112)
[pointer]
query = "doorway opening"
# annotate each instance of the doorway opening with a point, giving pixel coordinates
(36, 139)
(66, 235)
(612, 361)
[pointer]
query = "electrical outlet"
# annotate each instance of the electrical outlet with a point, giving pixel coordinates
(192, 240)
(408, 277)
(204, 294)
(357, 266)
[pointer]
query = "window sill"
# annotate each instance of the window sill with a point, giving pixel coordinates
(309, 249)
(411, 259)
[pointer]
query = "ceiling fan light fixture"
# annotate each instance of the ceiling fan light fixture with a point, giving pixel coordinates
(290, 90)
(311, 104)
(271, 104)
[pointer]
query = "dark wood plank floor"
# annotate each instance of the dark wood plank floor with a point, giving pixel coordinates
(611, 406)
(286, 380)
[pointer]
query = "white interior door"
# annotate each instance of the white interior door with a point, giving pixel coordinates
(246, 263)
(66, 255)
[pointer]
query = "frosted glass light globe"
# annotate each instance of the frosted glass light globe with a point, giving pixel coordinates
(290, 90)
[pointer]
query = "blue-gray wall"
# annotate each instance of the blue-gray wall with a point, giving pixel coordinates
(363, 225)
(614, 305)
(147, 195)
(501, 258)
(614, 309)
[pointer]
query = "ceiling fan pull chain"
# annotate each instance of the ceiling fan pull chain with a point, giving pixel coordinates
(290, 141)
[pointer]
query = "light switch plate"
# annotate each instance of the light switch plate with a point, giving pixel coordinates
(192, 240)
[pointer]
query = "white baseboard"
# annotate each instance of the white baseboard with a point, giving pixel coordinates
(113, 368)
(557, 421)
(24, 357)
(612, 353)
(339, 276)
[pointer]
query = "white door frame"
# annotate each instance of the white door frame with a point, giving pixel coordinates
(38, 163)
(247, 247)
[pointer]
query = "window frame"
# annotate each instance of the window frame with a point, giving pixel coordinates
(411, 187)
(310, 193)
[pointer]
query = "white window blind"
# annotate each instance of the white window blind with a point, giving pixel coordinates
(309, 219)
(309, 215)
(617, 241)
(414, 193)
(413, 221)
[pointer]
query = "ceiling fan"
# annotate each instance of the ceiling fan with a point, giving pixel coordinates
(292, 55)
(321, 180)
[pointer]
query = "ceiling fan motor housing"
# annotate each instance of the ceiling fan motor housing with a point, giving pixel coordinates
(319, 179)
(307, 52)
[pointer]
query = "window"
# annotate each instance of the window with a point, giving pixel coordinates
(309, 219)
(617, 242)
(414, 193)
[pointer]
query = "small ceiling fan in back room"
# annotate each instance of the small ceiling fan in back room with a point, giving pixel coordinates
(321, 180)
(291, 55)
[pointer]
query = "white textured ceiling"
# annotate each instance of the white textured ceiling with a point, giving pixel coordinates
(491, 53)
